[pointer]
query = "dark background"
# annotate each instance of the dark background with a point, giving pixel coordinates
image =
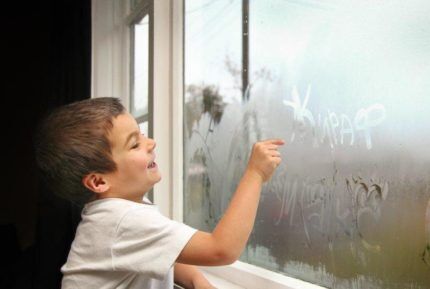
(47, 62)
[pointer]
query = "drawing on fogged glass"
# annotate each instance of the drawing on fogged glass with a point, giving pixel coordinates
(346, 84)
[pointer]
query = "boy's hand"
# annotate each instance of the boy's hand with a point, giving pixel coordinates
(191, 277)
(204, 286)
(202, 283)
(265, 158)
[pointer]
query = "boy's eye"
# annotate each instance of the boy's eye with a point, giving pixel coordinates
(135, 146)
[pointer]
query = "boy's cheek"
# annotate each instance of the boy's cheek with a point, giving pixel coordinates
(144, 165)
(139, 162)
(141, 166)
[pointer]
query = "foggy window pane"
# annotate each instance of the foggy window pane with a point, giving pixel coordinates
(346, 84)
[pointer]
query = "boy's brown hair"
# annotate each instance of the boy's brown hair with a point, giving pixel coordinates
(72, 142)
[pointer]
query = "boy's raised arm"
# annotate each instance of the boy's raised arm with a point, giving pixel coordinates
(225, 244)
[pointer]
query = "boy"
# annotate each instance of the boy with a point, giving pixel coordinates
(92, 151)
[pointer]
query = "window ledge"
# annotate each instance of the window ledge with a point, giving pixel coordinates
(219, 282)
(252, 277)
(216, 281)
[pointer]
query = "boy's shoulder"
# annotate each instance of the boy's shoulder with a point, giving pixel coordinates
(119, 218)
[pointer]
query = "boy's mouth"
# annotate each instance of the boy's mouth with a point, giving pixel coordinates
(152, 165)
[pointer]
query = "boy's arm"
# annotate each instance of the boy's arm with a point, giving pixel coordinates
(190, 277)
(225, 244)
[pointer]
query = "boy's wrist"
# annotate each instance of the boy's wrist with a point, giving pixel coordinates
(254, 174)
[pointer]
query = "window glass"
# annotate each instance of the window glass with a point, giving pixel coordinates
(346, 84)
(143, 126)
(134, 3)
(139, 99)
(212, 79)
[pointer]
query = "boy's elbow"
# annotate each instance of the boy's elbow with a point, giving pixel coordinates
(226, 256)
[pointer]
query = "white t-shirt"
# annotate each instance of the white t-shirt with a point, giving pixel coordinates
(124, 244)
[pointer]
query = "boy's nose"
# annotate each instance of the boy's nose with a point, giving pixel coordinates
(151, 144)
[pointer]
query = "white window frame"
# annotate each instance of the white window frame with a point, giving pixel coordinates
(111, 77)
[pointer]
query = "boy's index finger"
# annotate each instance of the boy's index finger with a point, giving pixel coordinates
(275, 141)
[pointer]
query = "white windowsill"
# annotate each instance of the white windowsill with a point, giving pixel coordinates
(216, 281)
(252, 277)
(220, 283)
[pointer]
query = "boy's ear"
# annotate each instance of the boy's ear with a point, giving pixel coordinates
(96, 183)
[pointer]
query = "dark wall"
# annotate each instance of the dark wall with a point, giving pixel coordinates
(46, 64)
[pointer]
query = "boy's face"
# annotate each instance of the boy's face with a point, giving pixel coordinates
(134, 156)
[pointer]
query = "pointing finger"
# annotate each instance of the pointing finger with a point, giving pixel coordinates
(276, 141)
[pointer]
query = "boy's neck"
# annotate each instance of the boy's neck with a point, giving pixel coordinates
(102, 196)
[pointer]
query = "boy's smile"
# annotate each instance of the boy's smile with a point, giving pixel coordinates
(133, 153)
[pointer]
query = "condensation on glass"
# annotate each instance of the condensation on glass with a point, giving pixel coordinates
(347, 85)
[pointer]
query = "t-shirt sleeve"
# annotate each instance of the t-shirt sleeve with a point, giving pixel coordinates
(148, 243)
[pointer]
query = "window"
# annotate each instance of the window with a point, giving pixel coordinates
(140, 89)
(140, 101)
(345, 83)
